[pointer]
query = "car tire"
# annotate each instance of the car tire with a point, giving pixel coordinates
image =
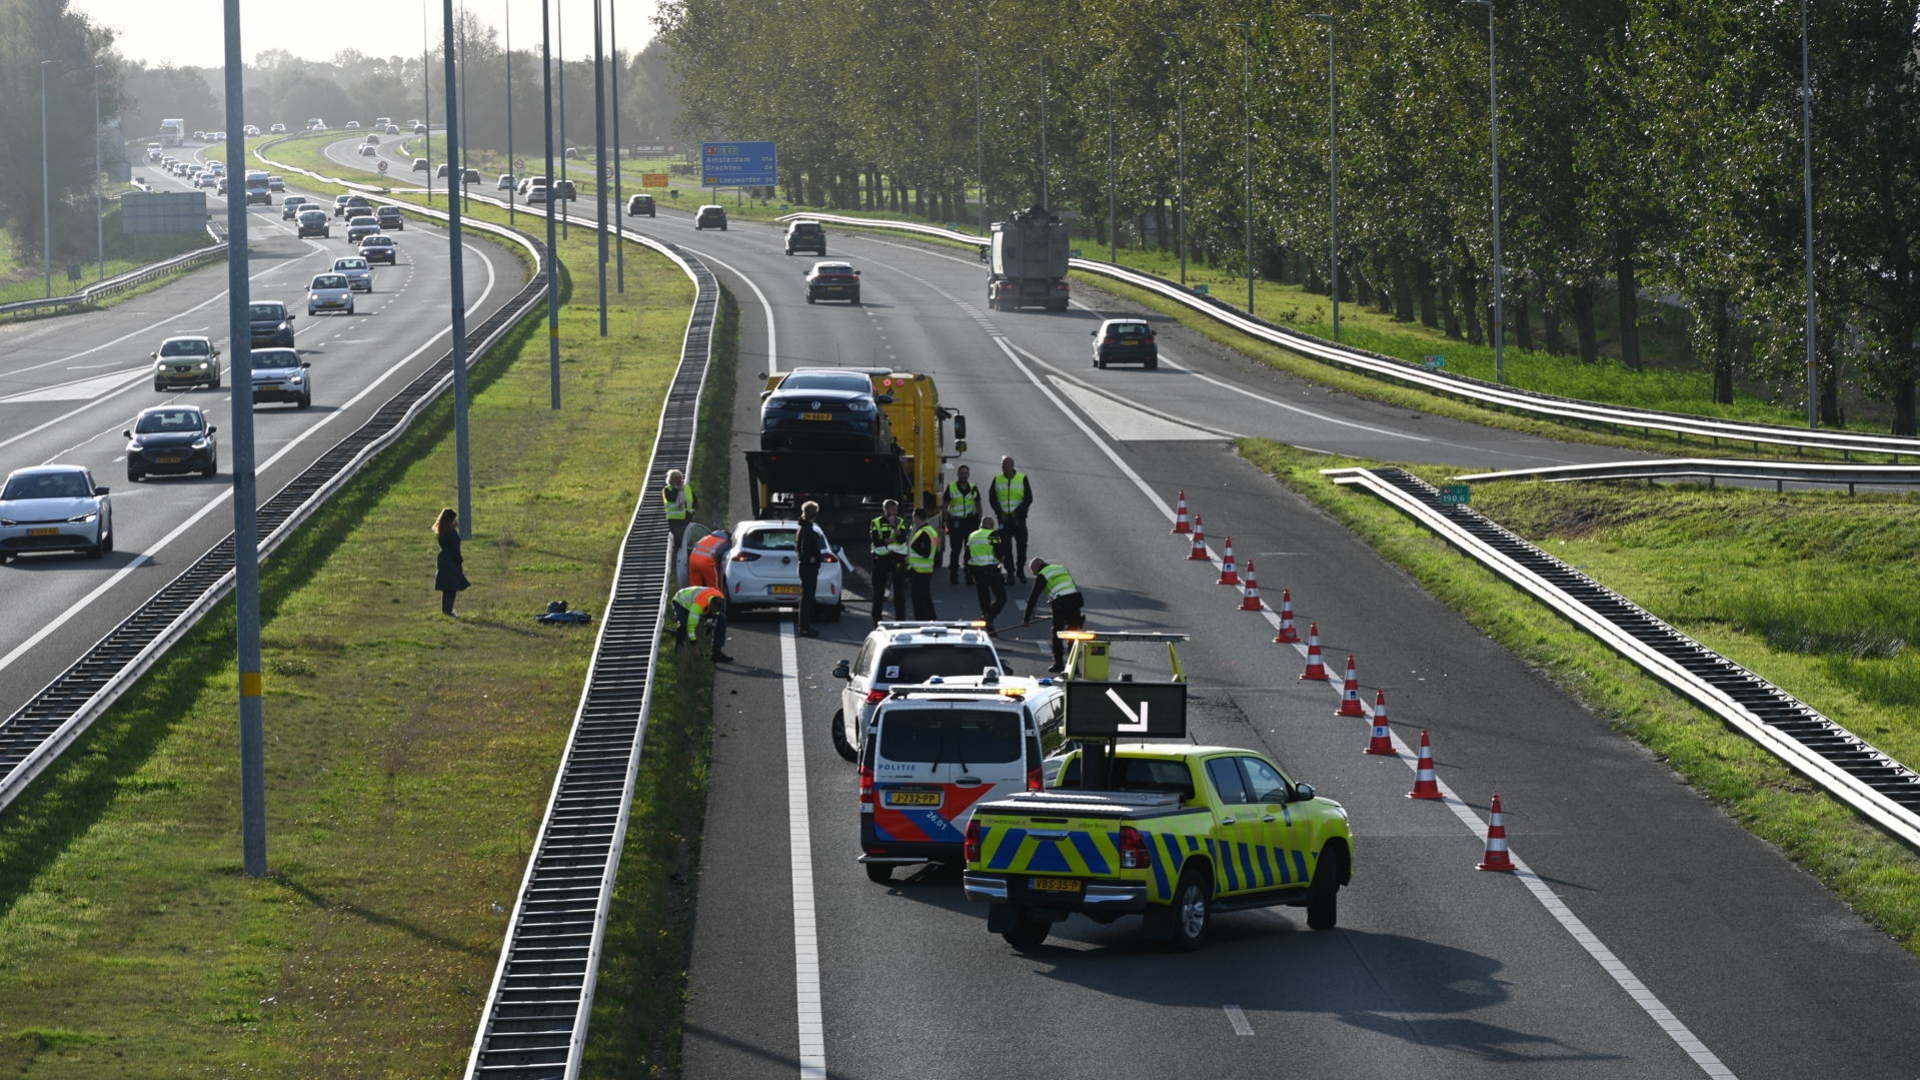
(840, 744)
(1153, 364)
(1099, 364)
(723, 228)
(1323, 894)
(159, 387)
(106, 545)
(1028, 932)
(856, 301)
(305, 400)
(1183, 923)
(134, 477)
(215, 384)
(879, 873)
(212, 470)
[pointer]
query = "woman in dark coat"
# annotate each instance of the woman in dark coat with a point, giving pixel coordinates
(449, 578)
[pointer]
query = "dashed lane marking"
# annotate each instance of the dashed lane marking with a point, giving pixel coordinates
(1238, 1019)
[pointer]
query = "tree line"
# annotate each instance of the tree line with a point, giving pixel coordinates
(1650, 152)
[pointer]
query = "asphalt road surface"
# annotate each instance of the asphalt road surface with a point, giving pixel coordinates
(69, 386)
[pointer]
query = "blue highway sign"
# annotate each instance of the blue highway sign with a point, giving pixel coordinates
(738, 164)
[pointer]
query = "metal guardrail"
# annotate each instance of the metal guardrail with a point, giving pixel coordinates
(61, 712)
(1779, 473)
(1881, 789)
(1491, 395)
(119, 283)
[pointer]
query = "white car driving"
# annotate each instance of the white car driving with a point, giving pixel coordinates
(330, 292)
(280, 375)
(54, 508)
(358, 274)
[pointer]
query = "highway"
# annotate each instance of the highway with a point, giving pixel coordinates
(1653, 937)
(69, 386)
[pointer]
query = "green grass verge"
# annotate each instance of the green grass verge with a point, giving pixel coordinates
(21, 277)
(1727, 567)
(409, 757)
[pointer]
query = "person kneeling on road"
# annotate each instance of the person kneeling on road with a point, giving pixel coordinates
(1063, 599)
(690, 606)
(983, 565)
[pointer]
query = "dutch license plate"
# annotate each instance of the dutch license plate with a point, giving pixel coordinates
(268, 386)
(786, 590)
(1129, 341)
(43, 532)
(913, 798)
(169, 460)
(816, 416)
(1054, 884)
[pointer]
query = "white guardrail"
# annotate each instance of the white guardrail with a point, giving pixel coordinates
(1875, 806)
(1779, 473)
(1491, 395)
(120, 283)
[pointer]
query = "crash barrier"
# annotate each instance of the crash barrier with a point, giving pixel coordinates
(1778, 473)
(1490, 395)
(119, 283)
(1881, 789)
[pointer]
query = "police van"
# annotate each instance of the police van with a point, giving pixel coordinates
(934, 750)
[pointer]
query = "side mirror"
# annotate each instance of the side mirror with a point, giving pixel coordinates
(305, 364)
(127, 434)
(101, 490)
(959, 427)
(843, 670)
(883, 399)
(1303, 792)
(211, 429)
(1093, 333)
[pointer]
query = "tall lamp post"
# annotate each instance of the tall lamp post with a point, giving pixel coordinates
(1113, 233)
(1180, 164)
(1493, 120)
(553, 244)
(466, 190)
(463, 472)
(1246, 112)
(600, 158)
(619, 180)
(99, 223)
(560, 33)
(1806, 188)
(1333, 172)
(46, 190)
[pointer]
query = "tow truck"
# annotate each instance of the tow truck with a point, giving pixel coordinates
(913, 470)
(1168, 831)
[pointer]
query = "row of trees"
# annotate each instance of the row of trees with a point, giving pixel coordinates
(1648, 147)
(32, 31)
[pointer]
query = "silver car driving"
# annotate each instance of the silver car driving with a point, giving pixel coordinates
(359, 274)
(54, 508)
(330, 292)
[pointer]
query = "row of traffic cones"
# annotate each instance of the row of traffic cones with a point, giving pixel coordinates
(1426, 782)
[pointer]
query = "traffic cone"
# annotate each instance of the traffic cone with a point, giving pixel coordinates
(1180, 521)
(1496, 857)
(1425, 784)
(1199, 552)
(1287, 635)
(1228, 575)
(1350, 694)
(1251, 601)
(1382, 741)
(1316, 671)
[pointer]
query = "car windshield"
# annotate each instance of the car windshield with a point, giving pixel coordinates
(379, 241)
(330, 281)
(916, 665)
(349, 264)
(828, 380)
(274, 358)
(389, 211)
(777, 539)
(60, 485)
(953, 736)
(166, 420)
(184, 347)
(267, 312)
(313, 215)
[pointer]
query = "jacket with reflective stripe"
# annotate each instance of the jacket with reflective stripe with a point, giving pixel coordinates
(917, 562)
(963, 503)
(983, 547)
(680, 504)
(1059, 582)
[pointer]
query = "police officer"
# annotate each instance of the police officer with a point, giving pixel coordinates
(690, 605)
(962, 509)
(1063, 599)
(1012, 495)
(923, 554)
(983, 564)
(887, 539)
(678, 495)
(809, 549)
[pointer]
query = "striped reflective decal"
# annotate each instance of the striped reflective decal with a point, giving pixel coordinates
(1048, 859)
(1280, 859)
(1300, 863)
(1165, 890)
(1090, 851)
(1009, 847)
(1246, 863)
(1266, 866)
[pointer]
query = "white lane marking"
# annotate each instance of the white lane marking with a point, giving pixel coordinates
(806, 946)
(1239, 1020)
(81, 389)
(1125, 423)
(1585, 938)
(1278, 404)
(146, 556)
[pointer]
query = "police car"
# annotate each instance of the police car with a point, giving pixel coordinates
(905, 652)
(935, 750)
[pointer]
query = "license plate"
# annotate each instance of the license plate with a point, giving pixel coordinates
(1129, 341)
(43, 532)
(816, 416)
(1054, 884)
(913, 798)
(169, 460)
(786, 590)
(266, 386)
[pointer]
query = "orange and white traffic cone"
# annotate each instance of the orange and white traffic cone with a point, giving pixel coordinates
(1251, 601)
(1199, 552)
(1350, 694)
(1382, 741)
(1287, 635)
(1316, 671)
(1181, 523)
(1496, 857)
(1228, 574)
(1425, 784)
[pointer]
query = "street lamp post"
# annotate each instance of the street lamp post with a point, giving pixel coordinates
(1493, 120)
(466, 190)
(553, 244)
(560, 33)
(1333, 172)
(46, 190)
(99, 223)
(600, 159)
(1246, 112)
(619, 180)
(463, 472)
(1180, 159)
(1806, 189)
(1113, 234)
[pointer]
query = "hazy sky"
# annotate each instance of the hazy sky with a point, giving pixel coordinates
(190, 32)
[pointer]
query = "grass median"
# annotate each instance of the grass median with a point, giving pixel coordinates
(1808, 589)
(409, 756)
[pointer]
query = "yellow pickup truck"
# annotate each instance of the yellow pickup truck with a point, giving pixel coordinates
(1177, 833)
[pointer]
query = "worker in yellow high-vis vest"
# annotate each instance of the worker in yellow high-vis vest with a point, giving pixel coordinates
(983, 562)
(678, 496)
(923, 554)
(961, 508)
(1012, 495)
(1063, 599)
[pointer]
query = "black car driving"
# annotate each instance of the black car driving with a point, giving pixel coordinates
(825, 409)
(171, 439)
(833, 281)
(272, 323)
(1125, 341)
(807, 236)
